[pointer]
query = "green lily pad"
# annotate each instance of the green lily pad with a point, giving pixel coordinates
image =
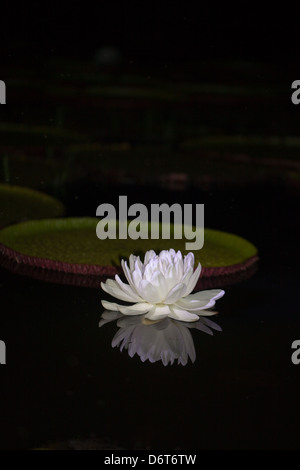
(71, 246)
(18, 204)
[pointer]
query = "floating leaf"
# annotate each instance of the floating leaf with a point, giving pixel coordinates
(71, 246)
(18, 203)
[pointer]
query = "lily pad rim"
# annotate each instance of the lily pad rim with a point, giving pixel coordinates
(48, 265)
(85, 268)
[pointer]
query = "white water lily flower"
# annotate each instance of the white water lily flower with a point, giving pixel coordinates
(161, 287)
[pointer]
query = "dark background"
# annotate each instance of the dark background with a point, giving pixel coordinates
(150, 31)
(62, 379)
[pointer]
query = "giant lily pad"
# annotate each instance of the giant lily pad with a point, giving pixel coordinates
(18, 204)
(68, 250)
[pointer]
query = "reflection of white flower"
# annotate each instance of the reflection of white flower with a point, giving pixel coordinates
(166, 340)
(161, 287)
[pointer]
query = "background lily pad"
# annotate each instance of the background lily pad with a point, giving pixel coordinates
(70, 246)
(19, 204)
(205, 163)
(23, 134)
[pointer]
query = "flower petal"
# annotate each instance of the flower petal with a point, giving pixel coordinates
(132, 259)
(158, 281)
(187, 276)
(136, 279)
(206, 313)
(148, 256)
(138, 266)
(200, 300)
(110, 305)
(136, 309)
(193, 280)
(182, 315)
(175, 293)
(189, 261)
(212, 294)
(127, 272)
(149, 292)
(190, 304)
(112, 288)
(128, 290)
(158, 312)
(178, 262)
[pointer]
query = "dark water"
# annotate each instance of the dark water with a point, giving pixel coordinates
(63, 380)
(175, 78)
